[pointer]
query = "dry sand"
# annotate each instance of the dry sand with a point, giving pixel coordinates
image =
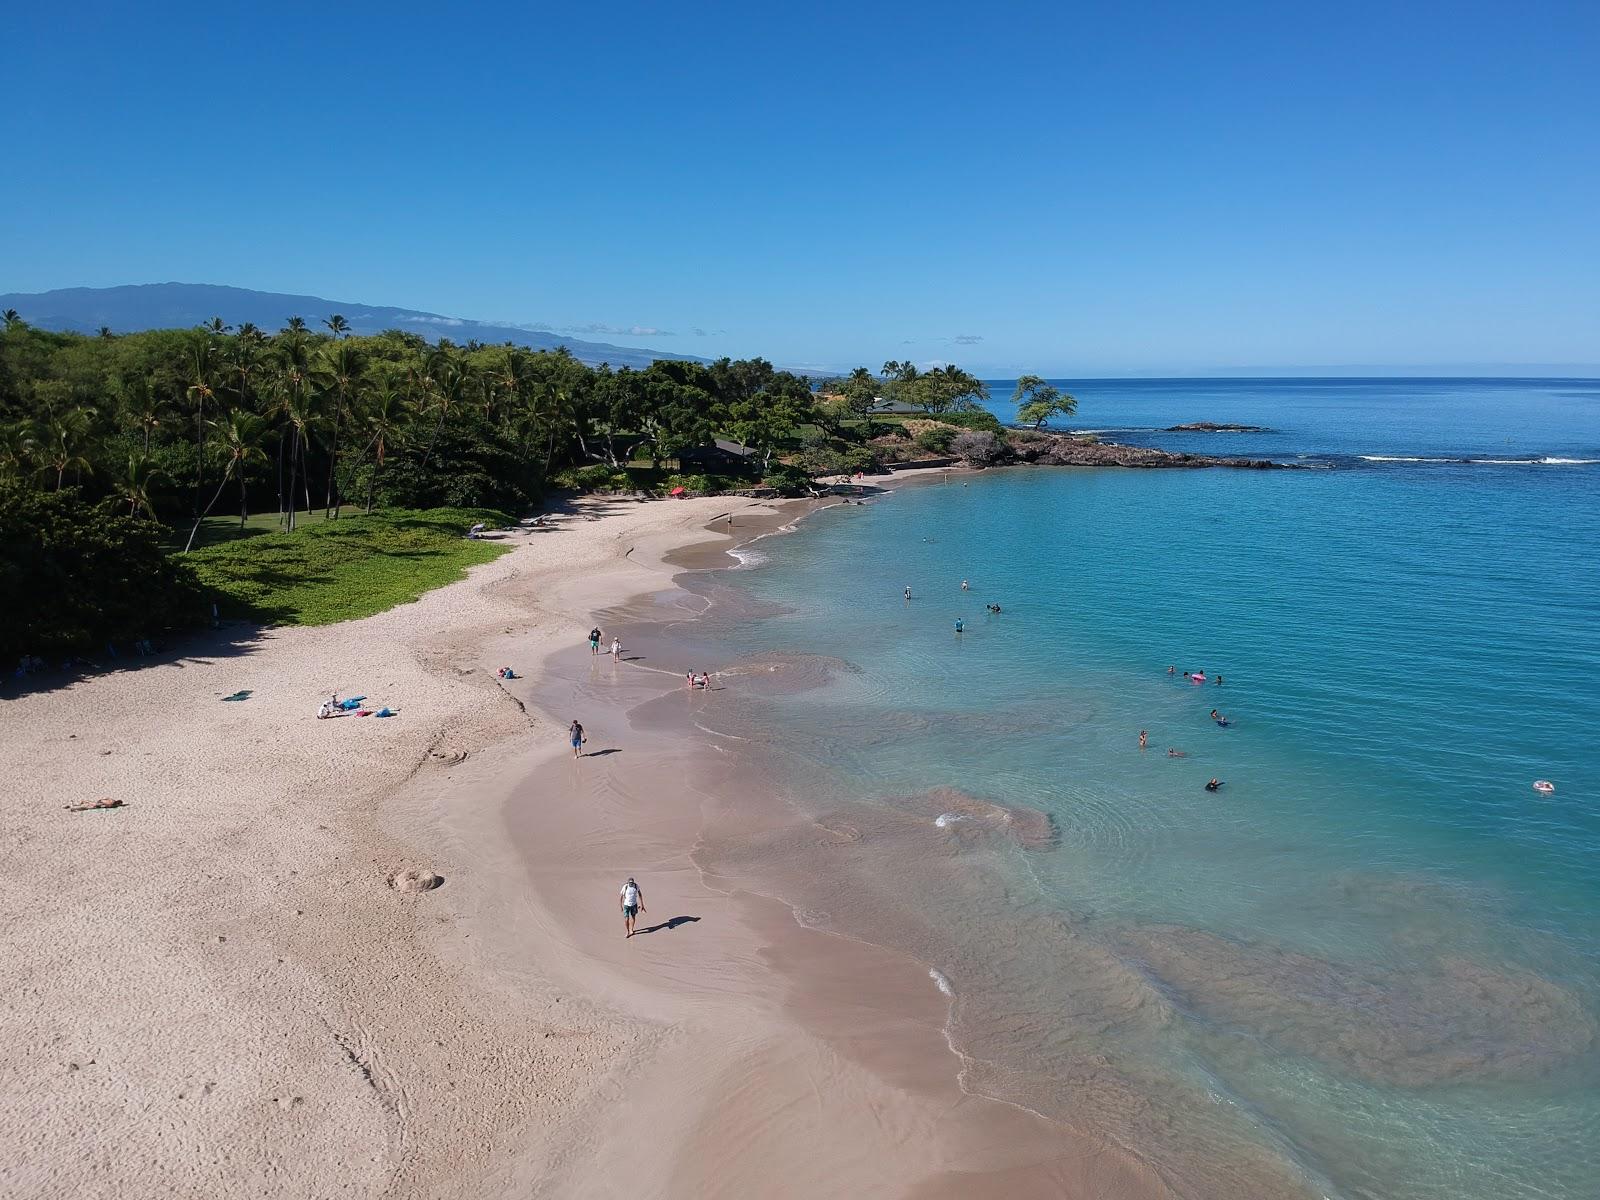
(234, 986)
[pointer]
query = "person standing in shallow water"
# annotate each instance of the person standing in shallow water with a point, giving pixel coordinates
(1144, 738)
(632, 905)
(575, 736)
(594, 640)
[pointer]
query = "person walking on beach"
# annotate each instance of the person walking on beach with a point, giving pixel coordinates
(632, 905)
(616, 649)
(575, 736)
(594, 640)
(1144, 738)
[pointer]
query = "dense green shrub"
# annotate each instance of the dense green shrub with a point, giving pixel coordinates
(978, 418)
(75, 576)
(786, 479)
(472, 465)
(597, 477)
(937, 439)
(698, 485)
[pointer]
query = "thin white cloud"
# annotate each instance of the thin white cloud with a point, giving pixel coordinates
(968, 339)
(451, 321)
(591, 328)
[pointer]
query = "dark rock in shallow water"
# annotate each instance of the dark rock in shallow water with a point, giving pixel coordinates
(1061, 450)
(1213, 427)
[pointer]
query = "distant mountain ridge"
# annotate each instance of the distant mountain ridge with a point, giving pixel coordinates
(133, 307)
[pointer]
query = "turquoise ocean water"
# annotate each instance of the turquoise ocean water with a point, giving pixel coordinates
(1373, 957)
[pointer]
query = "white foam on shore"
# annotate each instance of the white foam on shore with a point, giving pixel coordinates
(748, 557)
(945, 820)
(1545, 461)
(940, 982)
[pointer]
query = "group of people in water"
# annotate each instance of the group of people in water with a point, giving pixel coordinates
(961, 624)
(1222, 722)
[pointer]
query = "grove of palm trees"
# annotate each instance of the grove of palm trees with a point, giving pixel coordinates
(157, 436)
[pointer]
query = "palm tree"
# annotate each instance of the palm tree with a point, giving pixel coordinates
(299, 410)
(215, 327)
(295, 325)
(144, 407)
(200, 390)
(448, 379)
(11, 318)
(243, 361)
(338, 373)
(16, 449)
(135, 484)
(385, 417)
(242, 435)
(105, 333)
(338, 326)
(59, 442)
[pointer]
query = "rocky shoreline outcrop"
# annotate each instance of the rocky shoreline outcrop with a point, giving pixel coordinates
(1064, 450)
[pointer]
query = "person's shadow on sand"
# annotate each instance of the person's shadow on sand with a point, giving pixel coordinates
(672, 924)
(603, 753)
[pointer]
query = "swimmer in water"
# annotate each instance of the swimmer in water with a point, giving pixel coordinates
(908, 592)
(1172, 670)
(965, 586)
(1213, 785)
(1218, 717)
(1171, 753)
(958, 625)
(1219, 680)
(1144, 738)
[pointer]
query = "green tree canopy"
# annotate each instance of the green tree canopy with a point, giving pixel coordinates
(1038, 401)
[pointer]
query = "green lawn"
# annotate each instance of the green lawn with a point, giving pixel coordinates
(215, 530)
(331, 571)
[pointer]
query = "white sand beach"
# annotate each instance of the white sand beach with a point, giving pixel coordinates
(228, 986)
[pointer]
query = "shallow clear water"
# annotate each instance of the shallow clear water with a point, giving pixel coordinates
(1375, 953)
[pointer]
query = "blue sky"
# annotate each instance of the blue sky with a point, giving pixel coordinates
(1070, 189)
